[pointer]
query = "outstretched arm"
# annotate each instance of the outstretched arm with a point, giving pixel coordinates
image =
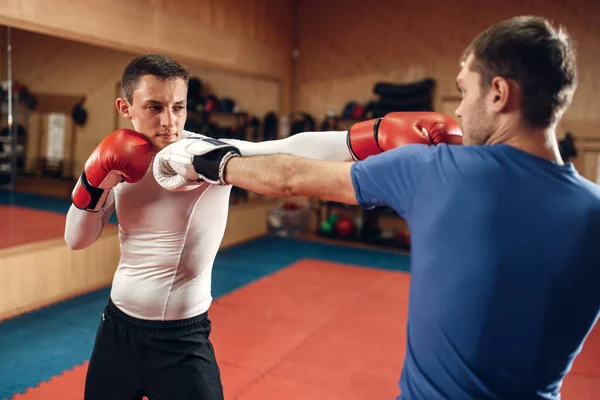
(329, 145)
(287, 175)
(391, 178)
(198, 158)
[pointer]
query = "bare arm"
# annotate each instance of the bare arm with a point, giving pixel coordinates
(330, 145)
(287, 175)
(82, 227)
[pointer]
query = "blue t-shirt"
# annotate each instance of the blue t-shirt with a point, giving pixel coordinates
(505, 268)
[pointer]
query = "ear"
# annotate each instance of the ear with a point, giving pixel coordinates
(502, 94)
(123, 108)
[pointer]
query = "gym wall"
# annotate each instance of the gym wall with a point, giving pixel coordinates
(345, 47)
(241, 35)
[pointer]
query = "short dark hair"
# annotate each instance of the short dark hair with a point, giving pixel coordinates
(161, 66)
(539, 57)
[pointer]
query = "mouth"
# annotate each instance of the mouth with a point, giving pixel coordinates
(167, 136)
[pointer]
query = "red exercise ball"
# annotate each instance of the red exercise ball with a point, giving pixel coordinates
(344, 226)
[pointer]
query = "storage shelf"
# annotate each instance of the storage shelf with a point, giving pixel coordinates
(370, 231)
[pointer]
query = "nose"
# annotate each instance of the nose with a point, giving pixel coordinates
(169, 118)
(458, 111)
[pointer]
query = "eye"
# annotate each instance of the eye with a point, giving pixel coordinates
(178, 108)
(154, 108)
(460, 89)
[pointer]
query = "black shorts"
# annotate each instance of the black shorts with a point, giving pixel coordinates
(163, 360)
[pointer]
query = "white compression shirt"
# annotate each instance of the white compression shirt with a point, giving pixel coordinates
(169, 240)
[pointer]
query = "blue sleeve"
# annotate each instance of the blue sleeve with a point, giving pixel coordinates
(391, 178)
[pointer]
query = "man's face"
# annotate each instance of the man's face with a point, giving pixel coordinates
(159, 109)
(473, 110)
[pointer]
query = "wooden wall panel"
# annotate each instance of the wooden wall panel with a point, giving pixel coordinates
(38, 274)
(247, 221)
(345, 47)
(587, 161)
(250, 36)
(254, 95)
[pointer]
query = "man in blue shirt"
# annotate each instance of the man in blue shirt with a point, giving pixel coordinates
(505, 280)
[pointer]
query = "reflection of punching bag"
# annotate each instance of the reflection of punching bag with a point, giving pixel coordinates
(270, 126)
(254, 125)
(301, 122)
(567, 148)
(79, 113)
(414, 96)
(194, 95)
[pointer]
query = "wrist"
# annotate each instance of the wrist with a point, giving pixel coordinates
(87, 196)
(223, 167)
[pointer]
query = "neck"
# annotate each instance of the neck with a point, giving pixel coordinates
(540, 142)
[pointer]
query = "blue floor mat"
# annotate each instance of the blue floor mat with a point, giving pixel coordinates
(38, 202)
(47, 203)
(44, 343)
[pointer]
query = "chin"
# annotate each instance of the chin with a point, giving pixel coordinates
(160, 142)
(471, 138)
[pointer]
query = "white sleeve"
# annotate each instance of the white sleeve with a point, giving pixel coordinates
(84, 227)
(326, 145)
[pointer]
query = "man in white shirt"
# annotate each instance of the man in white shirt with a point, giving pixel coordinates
(153, 339)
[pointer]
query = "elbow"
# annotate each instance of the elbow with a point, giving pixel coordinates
(288, 190)
(291, 188)
(73, 243)
(290, 182)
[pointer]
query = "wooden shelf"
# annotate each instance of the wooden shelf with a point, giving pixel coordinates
(374, 222)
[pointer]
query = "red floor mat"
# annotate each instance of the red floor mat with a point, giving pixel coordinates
(22, 225)
(318, 330)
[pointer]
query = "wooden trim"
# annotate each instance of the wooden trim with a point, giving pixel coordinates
(53, 102)
(53, 300)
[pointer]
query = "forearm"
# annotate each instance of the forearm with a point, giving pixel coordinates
(286, 175)
(268, 175)
(330, 145)
(82, 228)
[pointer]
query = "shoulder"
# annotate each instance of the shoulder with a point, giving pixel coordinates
(591, 189)
(439, 154)
(412, 157)
(409, 153)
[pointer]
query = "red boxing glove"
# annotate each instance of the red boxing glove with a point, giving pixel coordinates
(367, 138)
(124, 155)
